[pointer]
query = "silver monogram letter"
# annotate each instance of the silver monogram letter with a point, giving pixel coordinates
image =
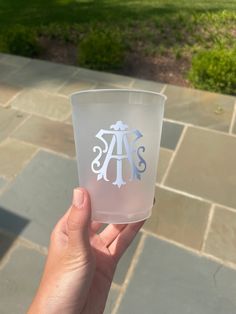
(119, 140)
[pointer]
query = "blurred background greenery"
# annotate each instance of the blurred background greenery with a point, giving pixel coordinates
(184, 42)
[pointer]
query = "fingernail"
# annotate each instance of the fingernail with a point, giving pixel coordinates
(78, 198)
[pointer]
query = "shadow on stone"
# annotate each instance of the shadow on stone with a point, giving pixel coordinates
(11, 225)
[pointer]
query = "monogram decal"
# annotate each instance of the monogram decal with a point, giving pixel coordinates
(123, 142)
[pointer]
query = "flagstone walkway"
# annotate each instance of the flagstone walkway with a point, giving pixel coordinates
(184, 259)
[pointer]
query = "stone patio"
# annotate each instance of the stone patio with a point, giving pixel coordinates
(184, 259)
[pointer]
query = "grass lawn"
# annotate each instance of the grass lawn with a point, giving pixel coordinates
(160, 36)
(37, 12)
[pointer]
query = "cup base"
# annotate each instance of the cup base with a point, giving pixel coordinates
(109, 218)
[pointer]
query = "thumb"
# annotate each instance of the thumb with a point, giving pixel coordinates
(79, 220)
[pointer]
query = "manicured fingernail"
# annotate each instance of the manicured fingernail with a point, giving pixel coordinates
(78, 198)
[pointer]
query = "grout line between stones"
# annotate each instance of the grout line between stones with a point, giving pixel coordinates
(199, 127)
(10, 180)
(220, 261)
(130, 273)
(41, 115)
(66, 81)
(177, 122)
(111, 85)
(52, 92)
(182, 192)
(163, 89)
(117, 85)
(115, 286)
(194, 251)
(174, 154)
(208, 226)
(68, 96)
(167, 149)
(6, 187)
(231, 209)
(44, 148)
(25, 242)
(27, 161)
(7, 104)
(23, 141)
(132, 81)
(178, 244)
(22, 241)
(45, 91)
(8, 56)
(195, 197)
(48, 150)
(20, 124)
(67, 117)
(211, 130)
(59, 86)
(233, 120)
(32, 245)
(8, 254)
(131, 84)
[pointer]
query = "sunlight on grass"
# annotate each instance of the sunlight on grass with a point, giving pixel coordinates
(175, 29)
(65, 2)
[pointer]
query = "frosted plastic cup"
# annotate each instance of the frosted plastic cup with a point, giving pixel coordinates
(117, 137)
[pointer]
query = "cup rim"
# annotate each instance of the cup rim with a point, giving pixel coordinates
(118, 90)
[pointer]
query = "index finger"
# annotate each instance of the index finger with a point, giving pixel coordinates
(123, 240)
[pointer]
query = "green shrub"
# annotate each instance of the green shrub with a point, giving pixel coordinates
(61, 31)
(22, 41)
(101, 50)
(3, 47)
(214, 70)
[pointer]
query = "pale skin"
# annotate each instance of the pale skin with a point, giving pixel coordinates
(81, 263)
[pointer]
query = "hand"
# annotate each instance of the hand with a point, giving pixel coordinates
(81, 263)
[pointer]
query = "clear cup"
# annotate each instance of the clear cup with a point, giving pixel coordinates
(117, 137)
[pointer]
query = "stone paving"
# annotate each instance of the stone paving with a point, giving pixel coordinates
(184, 259)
